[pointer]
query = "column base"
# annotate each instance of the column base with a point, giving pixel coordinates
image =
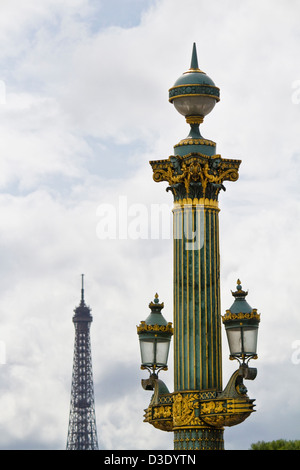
(200, 438)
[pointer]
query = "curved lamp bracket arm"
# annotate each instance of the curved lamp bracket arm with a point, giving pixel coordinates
(235, 386)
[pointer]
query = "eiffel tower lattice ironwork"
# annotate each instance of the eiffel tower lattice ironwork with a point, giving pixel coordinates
(82, 431)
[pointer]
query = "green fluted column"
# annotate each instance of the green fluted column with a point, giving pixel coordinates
(197, 320)
(197, 317)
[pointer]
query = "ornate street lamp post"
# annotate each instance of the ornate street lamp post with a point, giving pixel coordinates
(198, 409)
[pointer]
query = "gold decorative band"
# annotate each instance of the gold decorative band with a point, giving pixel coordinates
(194, 119)
(201, 203)
(211, 143)
(241, 316)
(195, 427)
(162, 328)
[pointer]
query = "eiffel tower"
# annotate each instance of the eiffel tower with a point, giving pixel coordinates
(82, 432)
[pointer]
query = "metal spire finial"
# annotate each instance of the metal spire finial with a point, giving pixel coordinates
(82, 288)
(194, 62)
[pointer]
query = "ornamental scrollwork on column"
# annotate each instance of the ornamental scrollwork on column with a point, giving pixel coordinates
(195, 175)
(184, 410)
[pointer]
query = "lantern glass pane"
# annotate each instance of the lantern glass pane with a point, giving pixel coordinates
(162, 352)
(250, 340)
(234, 340)
(147, 352)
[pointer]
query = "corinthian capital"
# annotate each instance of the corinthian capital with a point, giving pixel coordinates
(195, 176)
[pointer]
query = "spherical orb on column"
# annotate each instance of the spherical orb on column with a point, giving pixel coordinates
(194, 94)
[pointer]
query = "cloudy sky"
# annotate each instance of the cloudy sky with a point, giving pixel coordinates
(83, 108)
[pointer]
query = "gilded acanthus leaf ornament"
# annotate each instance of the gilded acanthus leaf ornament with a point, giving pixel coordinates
(195, 175)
